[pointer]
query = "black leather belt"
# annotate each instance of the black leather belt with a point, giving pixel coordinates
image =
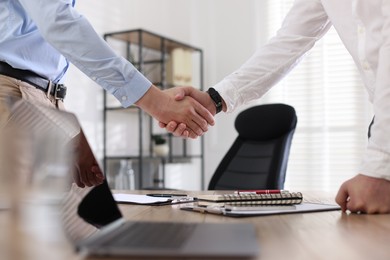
(58, 91)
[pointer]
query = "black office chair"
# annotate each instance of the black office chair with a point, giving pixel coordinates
(259, 155)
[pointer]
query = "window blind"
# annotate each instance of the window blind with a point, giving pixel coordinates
(331, 104)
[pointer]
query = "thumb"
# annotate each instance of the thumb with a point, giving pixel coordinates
(342, 197)
(182, 92)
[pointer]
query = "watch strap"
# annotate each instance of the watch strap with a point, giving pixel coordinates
(216, 99)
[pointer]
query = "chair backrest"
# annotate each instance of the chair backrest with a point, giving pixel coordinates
(258, 157)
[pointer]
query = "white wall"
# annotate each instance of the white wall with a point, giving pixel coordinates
(228, 31)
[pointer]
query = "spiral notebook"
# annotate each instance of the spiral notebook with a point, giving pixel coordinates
(283, 198)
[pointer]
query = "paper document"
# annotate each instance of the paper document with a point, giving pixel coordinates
(150, 200)
(262, 210)
(139, 199)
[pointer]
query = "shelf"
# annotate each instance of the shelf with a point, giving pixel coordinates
(149, 40)
(143, 48)
(124, 157)
(147, 62)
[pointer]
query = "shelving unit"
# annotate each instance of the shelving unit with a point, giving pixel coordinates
(150, 53)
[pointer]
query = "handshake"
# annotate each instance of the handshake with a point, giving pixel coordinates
(182, 111)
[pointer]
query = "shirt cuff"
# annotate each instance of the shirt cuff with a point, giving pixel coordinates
(376, 164)
(133, 90)
(228, 93)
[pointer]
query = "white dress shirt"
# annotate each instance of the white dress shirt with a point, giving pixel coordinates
(43, 35)
(364, 28)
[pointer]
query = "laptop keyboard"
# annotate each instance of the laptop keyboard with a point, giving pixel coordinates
(152, 235)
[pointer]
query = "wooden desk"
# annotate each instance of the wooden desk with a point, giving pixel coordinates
(323, 235)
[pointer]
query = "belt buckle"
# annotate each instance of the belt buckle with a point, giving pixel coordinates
(59, 92)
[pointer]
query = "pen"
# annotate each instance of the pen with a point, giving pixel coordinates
(214, 210)
(166, 195)
(260, 191)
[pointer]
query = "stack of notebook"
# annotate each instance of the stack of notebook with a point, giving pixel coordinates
(255, 204)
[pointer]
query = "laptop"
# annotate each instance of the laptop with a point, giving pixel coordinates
(120, 238)
(93, 222)
(96, 227)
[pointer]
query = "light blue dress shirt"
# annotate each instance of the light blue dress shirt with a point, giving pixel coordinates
(43, 35)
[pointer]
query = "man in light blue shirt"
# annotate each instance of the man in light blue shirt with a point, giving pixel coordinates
(39, 38)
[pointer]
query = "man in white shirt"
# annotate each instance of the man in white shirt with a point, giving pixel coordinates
(364, 28)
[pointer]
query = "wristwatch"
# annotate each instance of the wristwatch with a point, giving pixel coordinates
(216, 99)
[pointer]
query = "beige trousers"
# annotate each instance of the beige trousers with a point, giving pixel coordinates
(14, 161)
(11, 87)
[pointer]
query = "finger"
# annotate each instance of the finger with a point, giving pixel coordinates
(342, 197)
(197, 124)
(376, 208)
(383, 209)
(356, 206)
(97, 175)
(97, 171)
(186, 134)
(203, 117)
(76, 177)
(191, 134)
(182, 92)
(205, 114)
(196, 127)
(179, 96)
(162, 125)
(171, 126)
(85, 178)
(179, 131)
(372, 210)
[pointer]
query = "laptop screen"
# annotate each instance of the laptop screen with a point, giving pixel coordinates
(98, 207)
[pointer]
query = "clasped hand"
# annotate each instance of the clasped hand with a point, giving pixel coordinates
(168, 107)
(180, 128)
